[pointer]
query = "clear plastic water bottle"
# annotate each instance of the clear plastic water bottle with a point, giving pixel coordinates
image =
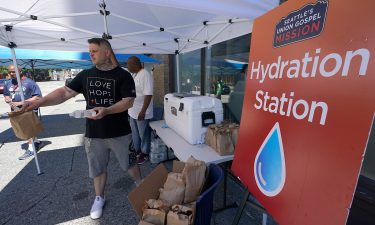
(82, 113)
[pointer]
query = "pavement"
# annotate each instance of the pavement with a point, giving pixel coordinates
(63, 193)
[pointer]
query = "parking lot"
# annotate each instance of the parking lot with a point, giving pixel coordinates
(63, 194)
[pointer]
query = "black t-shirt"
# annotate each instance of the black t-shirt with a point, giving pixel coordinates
(103, 89)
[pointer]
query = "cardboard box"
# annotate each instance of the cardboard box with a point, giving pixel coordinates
(149, 188)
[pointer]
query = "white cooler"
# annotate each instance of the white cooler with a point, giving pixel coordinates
(189, 115)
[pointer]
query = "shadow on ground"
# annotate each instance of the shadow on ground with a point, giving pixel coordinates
(63, 194)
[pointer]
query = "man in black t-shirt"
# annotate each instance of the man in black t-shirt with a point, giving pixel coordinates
(109, 91)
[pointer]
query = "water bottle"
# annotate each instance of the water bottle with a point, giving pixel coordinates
(82, 113)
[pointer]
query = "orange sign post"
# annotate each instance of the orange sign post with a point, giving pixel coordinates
(308, 109)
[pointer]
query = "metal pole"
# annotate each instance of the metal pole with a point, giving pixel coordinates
(23, 99)
(241, 207)
(33, 69)
(106, 35)
(105, 18)
(178, 72)
(105, 25)
(17, 73)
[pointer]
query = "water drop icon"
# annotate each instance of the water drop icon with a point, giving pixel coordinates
(269, 164)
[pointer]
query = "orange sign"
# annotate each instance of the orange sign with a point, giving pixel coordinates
(308, 109)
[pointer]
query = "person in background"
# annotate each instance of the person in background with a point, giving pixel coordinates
(12, 96)
(218, 88)
(109, 91)
(142, 111)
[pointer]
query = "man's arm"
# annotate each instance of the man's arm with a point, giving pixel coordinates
(119, 107)
(6, 94)
(14, 105)
(56, 97)
(35, 97)
(146, 103)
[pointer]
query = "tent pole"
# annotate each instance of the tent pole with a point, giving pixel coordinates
(104, 13)
(23, 99)
(194, 36)
(218, 32)
(178, 72)
(17, 73)
(33, 69)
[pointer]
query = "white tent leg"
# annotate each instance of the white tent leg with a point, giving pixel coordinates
(17, 73)
(23, 99)
(36, 158)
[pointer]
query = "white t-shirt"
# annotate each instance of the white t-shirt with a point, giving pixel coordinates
(144, 85)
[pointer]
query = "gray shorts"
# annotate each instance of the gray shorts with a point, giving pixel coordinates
(98, 151)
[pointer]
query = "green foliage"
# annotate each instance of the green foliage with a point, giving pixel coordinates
(3, 69)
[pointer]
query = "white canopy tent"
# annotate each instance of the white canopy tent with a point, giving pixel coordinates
(135, 26)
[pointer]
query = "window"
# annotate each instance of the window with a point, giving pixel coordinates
(190, 72)
(226, 71)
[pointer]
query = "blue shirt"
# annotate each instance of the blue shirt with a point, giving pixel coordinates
(29, 87)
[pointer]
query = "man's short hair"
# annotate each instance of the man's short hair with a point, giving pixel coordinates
(12, 66)
(100, 41)
(135, 60)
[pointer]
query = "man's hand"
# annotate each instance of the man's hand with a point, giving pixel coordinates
(7, 99)
(146, 103)
(100, 113)
(141, 116)
(29, 105)
(16, 105)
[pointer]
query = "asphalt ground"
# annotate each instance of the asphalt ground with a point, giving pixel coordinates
(63, 193)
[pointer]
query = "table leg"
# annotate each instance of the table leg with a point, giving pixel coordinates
(241, 207)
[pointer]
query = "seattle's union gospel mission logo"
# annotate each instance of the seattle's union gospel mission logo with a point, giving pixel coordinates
(305, 23)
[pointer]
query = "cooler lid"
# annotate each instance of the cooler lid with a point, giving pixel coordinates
(184, 95)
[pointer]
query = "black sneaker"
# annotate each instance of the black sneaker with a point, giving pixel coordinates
(142, 158)
(26, 155)
(132, 158)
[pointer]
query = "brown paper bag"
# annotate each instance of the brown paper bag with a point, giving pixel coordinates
(157, 204)
(224, 143)
(180, 215)
(155, 211)
(210, 138)
(154, 216)
(194, 174)
(25, 125)
(174, 189)
(234, 128)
